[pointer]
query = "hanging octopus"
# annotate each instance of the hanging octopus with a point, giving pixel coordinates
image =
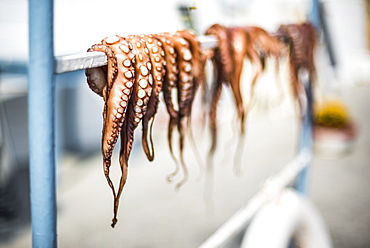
(187, 50)
(235, 45)
(260, 46)
(185, 73)
(115, 84)
(301, 41)
(255, 44)
(193, 63)
(126, 93)
(138, 69)
(223, 66)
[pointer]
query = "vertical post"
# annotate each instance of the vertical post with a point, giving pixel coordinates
(306, 141)
(41, 123)
(317, 18)
(314, 15)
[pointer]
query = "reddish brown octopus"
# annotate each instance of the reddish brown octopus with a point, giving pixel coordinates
(139, 68)
(254, 43)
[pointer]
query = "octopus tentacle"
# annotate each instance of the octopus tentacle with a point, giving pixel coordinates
(216, 91)
(239, 42)
(222, 69)
(117, 102)
(255, 44)
(263, 45)
(114, 90)
(185, 93)
(199, 61)
(171, 76)
(221, 32)
(186, 85)
(95, 79)
(197, 57)
(301, 40)
(157, 59)
(169, 85)
(136, 109)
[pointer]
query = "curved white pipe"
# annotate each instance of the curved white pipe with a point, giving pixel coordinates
(291, 215)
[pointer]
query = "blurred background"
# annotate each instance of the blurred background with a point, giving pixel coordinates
(152, 212)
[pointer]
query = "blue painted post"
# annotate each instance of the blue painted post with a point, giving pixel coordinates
(41, 123)
(317, 18)
(314, 15)
(306, 141)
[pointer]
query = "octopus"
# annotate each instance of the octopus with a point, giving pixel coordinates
(221, 58)
(139, 68)
(255, 44)
(227, 59)
(235, 44)
(142, 67)
(126, 86)
(115, 84)
(301, 41)
(260, 46)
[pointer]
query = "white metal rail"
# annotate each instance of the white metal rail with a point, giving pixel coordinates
(271, 189)
(86, 60)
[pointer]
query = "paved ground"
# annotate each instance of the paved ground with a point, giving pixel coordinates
(340, 188)
(154, 214)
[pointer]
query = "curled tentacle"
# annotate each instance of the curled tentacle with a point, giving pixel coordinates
(199, 61)
(97, 79)
(169, 85)
(185, 91)
(157, 59)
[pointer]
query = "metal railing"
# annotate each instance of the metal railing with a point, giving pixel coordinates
(86, 60)
(270, 190)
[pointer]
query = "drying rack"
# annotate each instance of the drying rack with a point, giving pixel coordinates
(43, 66)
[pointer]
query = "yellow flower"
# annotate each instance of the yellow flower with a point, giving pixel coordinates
(331, 113)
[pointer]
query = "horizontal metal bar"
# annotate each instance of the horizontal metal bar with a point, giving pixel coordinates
(272, 187)
(208, 41)
(79, 61)
(86, 60)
